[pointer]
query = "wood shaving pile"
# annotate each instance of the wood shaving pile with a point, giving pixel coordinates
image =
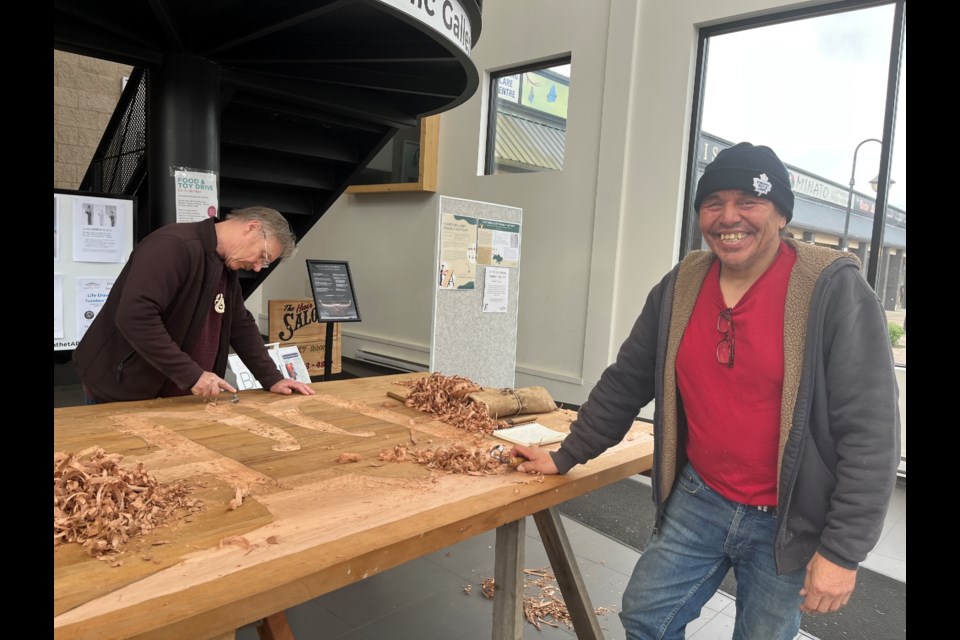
(446, 398)
(101, 505)
(545, 606)
(486, 588)
(455, 458)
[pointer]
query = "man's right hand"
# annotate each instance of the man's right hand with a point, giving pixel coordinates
(538, 460)
(209, 385)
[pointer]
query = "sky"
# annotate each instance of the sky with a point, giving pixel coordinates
(812, 90)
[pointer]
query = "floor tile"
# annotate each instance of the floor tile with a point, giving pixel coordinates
(891, 567)
(379, 596)
(719, 627)
(894, 543)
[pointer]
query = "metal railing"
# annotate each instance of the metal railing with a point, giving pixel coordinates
(119, 164)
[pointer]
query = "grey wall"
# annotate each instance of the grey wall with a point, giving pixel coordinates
(596, 236)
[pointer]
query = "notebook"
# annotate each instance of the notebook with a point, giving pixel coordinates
(530, 434)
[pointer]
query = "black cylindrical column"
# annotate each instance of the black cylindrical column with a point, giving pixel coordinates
(183, 129)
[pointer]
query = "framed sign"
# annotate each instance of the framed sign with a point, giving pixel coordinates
(332, 289)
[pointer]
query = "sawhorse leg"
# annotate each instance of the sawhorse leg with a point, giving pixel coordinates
(275, 627)
(508, 581)
(508, 578)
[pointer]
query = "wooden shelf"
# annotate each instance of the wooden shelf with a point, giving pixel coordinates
(429, 134)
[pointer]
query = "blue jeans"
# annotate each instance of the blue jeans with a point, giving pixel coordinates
(702, 535)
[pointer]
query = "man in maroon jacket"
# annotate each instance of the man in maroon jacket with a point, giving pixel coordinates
(177, 308)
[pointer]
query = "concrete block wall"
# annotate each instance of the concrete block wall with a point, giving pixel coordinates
(85, 93)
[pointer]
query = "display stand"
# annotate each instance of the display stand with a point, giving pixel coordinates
(335, 301)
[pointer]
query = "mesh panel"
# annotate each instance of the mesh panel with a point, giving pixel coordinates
(117, 161)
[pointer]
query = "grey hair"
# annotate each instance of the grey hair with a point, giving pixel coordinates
(274, 225)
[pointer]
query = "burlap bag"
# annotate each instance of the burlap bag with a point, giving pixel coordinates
(505, 403)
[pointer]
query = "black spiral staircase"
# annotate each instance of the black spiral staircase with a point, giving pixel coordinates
(309, 90)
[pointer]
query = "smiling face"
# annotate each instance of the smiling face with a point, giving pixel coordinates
(742, 229)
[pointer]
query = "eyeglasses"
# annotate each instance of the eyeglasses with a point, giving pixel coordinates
(265, 260)
(725, 347)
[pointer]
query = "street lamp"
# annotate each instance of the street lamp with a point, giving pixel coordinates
(846, 223)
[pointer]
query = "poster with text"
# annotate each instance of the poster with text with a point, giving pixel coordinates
(196, 195)
(56, 229)
(458, 252)
(498, 243)
(57, 306)
(98, 232)
(91, 294)
(332, 289)
(496, 289)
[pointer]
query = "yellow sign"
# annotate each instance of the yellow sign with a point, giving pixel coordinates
(545, 94)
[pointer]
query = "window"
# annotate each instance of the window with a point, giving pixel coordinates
(815, 88)
(527, 126)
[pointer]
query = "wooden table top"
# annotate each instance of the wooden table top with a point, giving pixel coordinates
(309, 525)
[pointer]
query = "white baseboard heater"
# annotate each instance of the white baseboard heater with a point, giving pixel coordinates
(365, 355)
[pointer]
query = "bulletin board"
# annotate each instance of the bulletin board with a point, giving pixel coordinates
(92, 240)
(476, 291)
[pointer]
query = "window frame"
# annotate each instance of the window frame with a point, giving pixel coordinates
(489, 160)
(689, 229)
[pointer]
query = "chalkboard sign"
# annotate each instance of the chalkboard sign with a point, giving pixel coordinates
(333, 291)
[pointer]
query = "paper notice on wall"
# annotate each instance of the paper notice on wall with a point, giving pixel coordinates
(496, 289)
(98, 231)
(458, 252)
(498, 243)
(57, 306)
(56, 229)
(196, 195)
(91, 294)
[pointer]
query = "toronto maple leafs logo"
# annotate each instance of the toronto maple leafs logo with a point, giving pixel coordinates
(762, 185)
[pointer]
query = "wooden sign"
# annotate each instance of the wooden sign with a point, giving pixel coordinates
(295, 322)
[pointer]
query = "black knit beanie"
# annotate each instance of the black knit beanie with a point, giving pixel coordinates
(754, 169)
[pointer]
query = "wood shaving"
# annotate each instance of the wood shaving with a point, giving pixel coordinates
(236, 541)
(543, 606)
(101, 505)
(239, 495)
(455, 458)
(446, 398)
(467, 588)
(487, 588)
(273, 540)
(347, 458)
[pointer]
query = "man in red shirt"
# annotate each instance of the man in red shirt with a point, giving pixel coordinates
(776, 423)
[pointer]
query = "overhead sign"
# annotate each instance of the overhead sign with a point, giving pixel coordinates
(810, 186)
(446, 17)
